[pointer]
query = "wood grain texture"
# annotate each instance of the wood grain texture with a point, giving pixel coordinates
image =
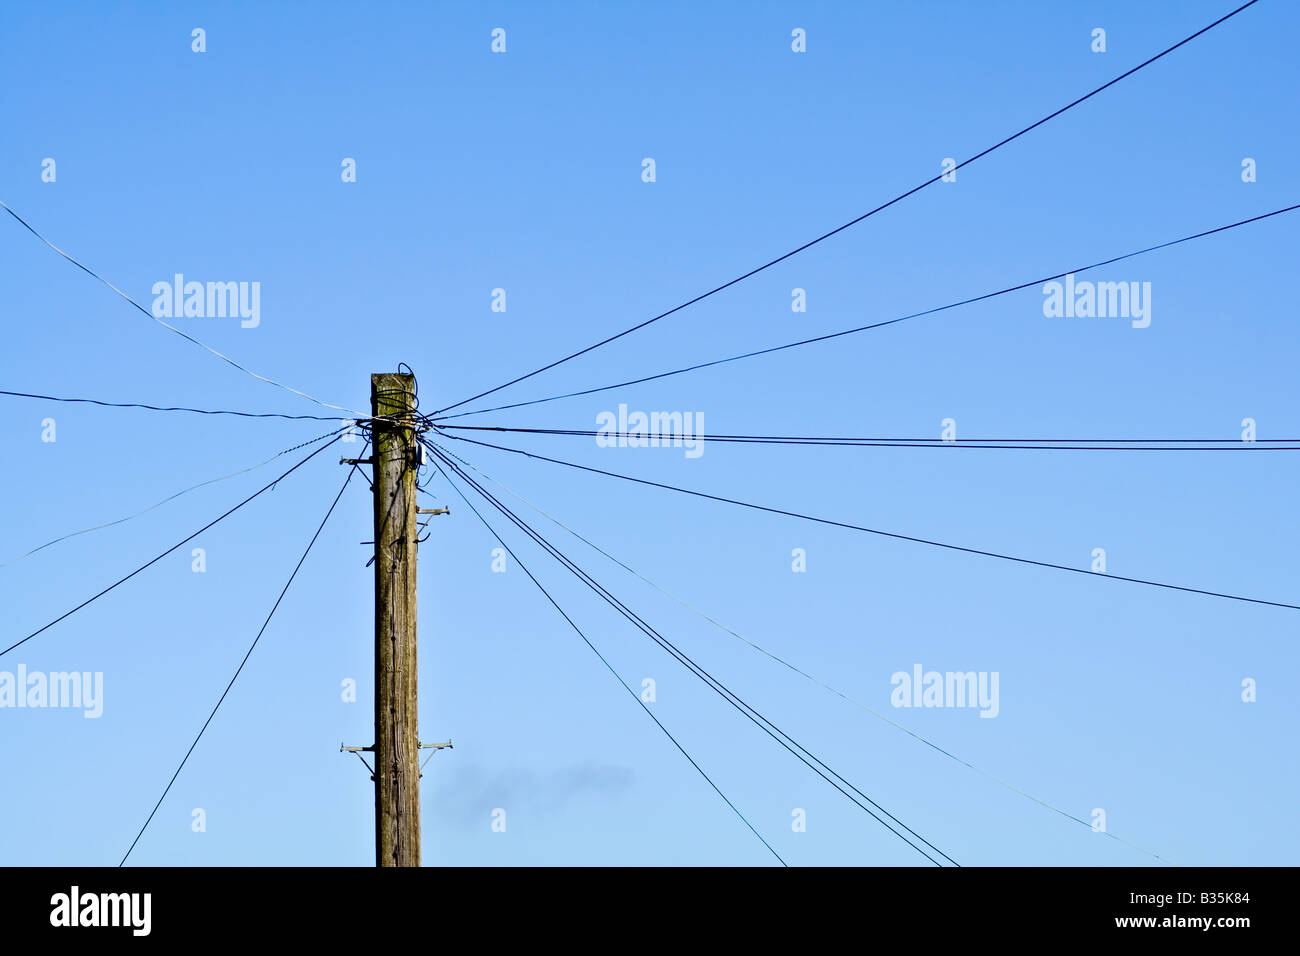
(397, 771)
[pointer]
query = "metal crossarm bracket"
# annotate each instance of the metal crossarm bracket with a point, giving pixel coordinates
(434, 748)
(358, 751)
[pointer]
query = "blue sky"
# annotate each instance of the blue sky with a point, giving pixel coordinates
(523, 171)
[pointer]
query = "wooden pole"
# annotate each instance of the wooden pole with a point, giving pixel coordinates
(397, 769)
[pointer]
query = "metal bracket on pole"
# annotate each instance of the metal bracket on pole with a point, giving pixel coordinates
(425, 523)
(359, 751)
(435, 748)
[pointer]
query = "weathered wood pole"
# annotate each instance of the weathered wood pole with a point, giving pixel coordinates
(397, 769)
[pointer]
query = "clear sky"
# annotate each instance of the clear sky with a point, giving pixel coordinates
(523, 171)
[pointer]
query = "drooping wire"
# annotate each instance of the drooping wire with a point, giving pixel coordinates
(805, 756)
(786, 741)
(1024, 444)
(886, 534)
(608, 666)
(159, 504)
(866, 328)
(239, 669)
(185, 335)
(852, 222)
(792, 667)
(155, 560)
(196, 411)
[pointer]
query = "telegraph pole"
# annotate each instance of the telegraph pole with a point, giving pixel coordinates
(397, 748)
